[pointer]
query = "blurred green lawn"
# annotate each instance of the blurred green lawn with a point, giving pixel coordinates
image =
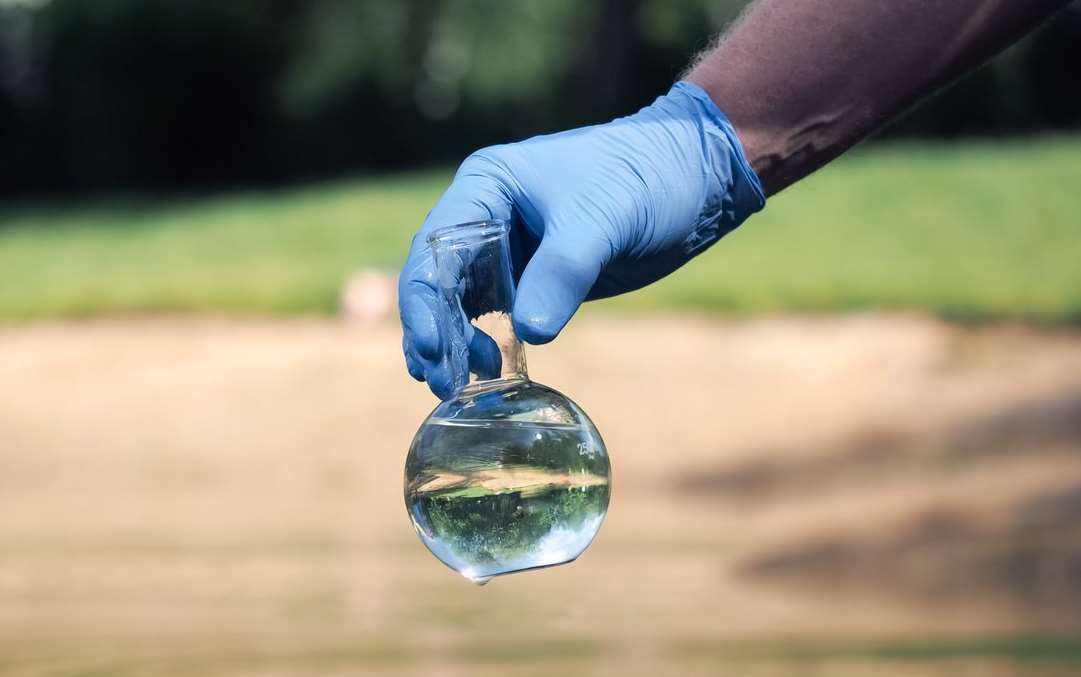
(979, 230)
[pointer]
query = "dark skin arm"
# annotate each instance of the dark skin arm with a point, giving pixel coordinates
(804, 80)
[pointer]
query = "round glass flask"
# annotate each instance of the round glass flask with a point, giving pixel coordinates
(507, 475)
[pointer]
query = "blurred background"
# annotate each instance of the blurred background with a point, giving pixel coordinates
(846, 440)
(121, 95)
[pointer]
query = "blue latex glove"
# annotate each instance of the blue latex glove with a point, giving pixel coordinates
(594, 212)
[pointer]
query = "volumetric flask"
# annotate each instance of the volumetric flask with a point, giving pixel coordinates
(508, 474)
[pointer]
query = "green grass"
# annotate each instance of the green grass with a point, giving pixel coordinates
(972, 231)
(284, 252)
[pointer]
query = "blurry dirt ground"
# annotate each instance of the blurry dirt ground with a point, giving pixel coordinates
(855, 495)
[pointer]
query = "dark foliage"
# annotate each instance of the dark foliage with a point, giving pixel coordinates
(163, 94)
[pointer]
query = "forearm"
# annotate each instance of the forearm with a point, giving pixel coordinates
(804, 81)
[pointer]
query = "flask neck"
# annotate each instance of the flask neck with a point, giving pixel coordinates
(510, 364)
(476, 283)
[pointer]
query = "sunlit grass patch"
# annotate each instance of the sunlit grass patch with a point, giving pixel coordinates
(971, 231)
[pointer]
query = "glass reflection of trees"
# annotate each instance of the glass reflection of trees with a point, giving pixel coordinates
(501, 527)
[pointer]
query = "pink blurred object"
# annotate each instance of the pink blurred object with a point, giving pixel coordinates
(370, 296)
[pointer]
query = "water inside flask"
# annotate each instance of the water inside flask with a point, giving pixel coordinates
(507, 475)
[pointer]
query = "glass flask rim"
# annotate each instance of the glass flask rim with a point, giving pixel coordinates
(468, 234)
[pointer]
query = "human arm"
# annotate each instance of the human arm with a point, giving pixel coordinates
(804, 81)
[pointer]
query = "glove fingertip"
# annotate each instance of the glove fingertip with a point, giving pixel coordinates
(537, 328)
(485, 360)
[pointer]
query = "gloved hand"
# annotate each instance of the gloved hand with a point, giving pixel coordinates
(594, 212)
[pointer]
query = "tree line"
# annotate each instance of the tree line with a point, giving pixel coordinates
(171, 95)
